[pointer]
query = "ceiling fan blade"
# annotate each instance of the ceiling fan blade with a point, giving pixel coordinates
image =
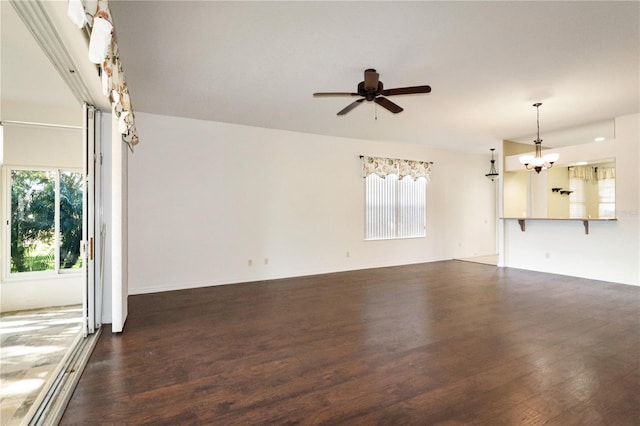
(406, 90)
(371, 78)
(386, 103)
(351, 106)
(321, 94)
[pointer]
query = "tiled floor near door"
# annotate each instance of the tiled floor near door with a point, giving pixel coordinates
(32, 345)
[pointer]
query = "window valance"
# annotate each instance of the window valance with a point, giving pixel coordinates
(589, 173)
(605, 173)
(103, 50)
(382, 167)
(582, 172)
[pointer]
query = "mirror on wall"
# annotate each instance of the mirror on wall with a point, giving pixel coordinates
(583, 190)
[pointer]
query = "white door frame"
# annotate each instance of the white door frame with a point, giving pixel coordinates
(91, 137)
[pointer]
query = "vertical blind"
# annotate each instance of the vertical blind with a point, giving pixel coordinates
(395, 208)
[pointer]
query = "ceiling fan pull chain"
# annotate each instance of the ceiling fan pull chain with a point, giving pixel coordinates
(375, 109)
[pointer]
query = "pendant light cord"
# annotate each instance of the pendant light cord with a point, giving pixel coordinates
(538, 120)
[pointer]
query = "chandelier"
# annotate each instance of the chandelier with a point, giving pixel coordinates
(493, 174)
(538, 162)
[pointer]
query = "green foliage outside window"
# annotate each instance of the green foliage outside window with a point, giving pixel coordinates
(70, 220)
(33, 203)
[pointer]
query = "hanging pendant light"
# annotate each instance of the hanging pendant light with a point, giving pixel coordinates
(538, 162)
(493, 174)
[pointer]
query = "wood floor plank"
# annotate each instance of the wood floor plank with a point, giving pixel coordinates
(438, 343)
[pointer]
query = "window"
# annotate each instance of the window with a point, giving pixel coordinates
(607, 198)
(588, 185)
(45, 220)
(577, 198)
(395, 208)
(395, 197)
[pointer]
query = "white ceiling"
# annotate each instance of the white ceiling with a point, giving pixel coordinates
(258, 63)
(28, 77)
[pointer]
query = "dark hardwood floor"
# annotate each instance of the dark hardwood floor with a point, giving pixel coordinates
(437, 343)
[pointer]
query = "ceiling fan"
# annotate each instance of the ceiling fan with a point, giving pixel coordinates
(372, 89)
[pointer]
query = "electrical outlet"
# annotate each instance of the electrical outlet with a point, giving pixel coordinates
(547, 255)
(348, 254)
(250, 262)
(266, 260)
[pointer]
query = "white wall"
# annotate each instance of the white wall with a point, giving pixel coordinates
(33, 293)
(43, 146)
(558, 203)
(515, 190)
(119, 229)
(205, 197)
(41, 112)
(611, 251)
(114, 212)
(107, 288)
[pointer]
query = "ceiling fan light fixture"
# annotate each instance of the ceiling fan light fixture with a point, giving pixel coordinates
(538, 162)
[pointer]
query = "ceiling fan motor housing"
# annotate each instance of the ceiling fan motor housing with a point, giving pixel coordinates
(369, 94)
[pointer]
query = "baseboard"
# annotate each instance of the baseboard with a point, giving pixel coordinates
(242, 280)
